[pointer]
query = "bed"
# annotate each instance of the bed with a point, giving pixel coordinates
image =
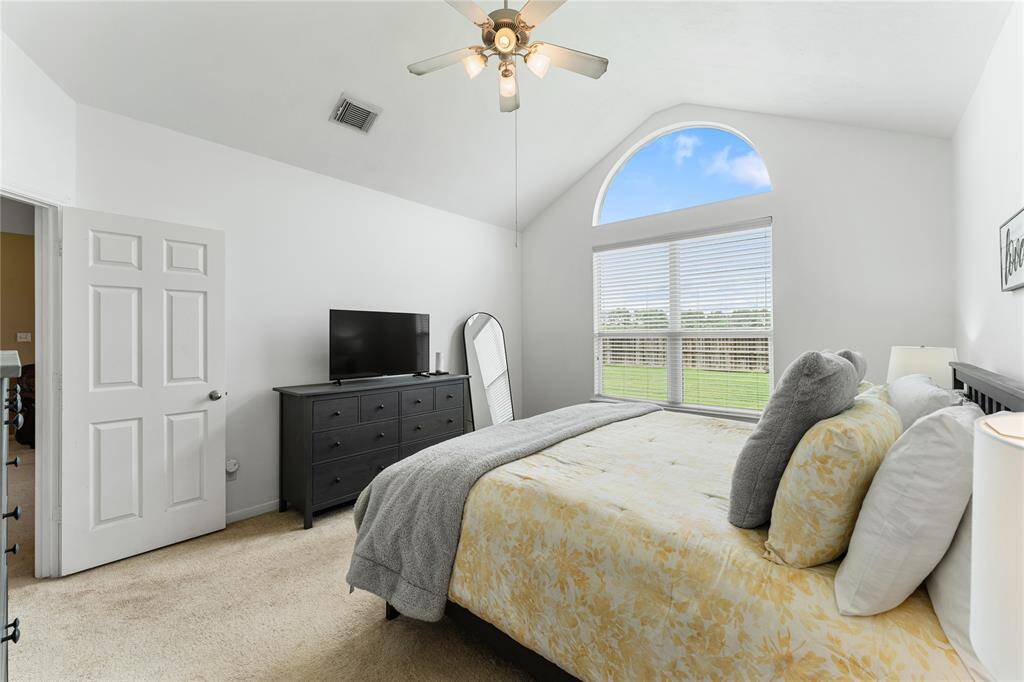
(609, 556)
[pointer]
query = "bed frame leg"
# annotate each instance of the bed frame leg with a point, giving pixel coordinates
(390, 612)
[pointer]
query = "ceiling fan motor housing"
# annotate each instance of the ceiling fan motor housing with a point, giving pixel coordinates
(505, 18)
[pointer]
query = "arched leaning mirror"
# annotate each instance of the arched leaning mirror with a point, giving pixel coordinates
(487, 363)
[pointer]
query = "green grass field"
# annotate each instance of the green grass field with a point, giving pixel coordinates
(700, 386)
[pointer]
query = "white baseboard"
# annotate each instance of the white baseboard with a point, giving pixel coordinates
(249, 512)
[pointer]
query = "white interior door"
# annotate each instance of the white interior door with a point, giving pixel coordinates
(142, 447)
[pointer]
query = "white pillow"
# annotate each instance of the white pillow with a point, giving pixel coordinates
(949, 586)
(910, 513)
(916, 395)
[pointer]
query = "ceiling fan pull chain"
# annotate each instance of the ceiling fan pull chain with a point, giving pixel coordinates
(515, 201)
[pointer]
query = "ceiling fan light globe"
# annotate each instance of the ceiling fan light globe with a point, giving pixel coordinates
(474, 64)
(507, 86)
(538, 63)
(505, 40)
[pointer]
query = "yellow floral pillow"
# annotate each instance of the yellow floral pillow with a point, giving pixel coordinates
(825, 482)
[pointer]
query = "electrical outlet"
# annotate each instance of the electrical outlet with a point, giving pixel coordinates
(24, 337)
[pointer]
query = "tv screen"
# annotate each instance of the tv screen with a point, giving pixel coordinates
(370, 344)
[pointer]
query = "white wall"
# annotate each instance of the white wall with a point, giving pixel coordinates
(37, 119)
(862, 247)
(988, 156)
(298, 244)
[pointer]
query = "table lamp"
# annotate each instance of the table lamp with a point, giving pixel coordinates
(931, 360)
(997, 545)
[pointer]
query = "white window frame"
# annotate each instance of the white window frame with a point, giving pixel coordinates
(674, 337)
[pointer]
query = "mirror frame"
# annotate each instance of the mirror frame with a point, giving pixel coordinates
(465, 357)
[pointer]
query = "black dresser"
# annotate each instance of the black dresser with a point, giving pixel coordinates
(336, 438)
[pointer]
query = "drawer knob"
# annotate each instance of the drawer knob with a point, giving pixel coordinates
(381, 406)
(419, 427)
(13, 549)
(14, 636)
(418, 401)
(380, 434)
(337, 444)
(449, 396)
(16, 513)
(380, 468)
(337, 479)
(451, 420)
(337, 413)
(16, 462)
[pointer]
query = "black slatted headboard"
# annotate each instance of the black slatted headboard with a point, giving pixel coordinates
(993, 392)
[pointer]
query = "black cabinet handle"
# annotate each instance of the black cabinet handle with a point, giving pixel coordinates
(419, 427)
(13, 549)
(337, 444)
(380, 434)
(449, 396)
(14, 636)
(380, 468)
(418, 401)
(16, 462)
(450, 420)
(337, 479)
(16, 513)
(381, 406)
(337, 413)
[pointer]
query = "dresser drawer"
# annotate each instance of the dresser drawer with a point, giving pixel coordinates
(449, 396)
(418, 400)
(328, 414)
(427, 425)
(354, 439)
(416, 446)
(378, 406)
(347, 477)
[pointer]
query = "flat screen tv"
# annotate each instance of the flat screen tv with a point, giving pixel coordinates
(370, 344)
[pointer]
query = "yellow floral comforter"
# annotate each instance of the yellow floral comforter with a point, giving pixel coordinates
(610, 554)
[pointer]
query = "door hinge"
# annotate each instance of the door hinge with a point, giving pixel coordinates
(58, 381)
(60, 248)
(57, 514)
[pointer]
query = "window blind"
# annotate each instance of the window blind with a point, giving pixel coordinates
(686, 322)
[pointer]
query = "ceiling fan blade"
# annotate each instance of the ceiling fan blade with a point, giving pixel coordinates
(507, 104)
(573, 60)
(536, 11)
(441, 61)
(471, 11)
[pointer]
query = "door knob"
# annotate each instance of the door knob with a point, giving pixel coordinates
(13, 549)
(16, 462)
(16, 513)
(217, 395)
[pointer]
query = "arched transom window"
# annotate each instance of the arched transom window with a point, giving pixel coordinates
(680, 169)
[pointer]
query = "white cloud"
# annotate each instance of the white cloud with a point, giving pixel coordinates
(685, 144)
(747, 169)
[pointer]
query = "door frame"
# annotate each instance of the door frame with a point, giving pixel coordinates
(47, 286)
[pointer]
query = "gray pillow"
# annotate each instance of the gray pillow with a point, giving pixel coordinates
(815, 387)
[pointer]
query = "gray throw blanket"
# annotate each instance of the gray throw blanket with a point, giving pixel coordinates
(410, 516)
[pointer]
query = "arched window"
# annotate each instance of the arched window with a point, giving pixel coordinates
(682, 168)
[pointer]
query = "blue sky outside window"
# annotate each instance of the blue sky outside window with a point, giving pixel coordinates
(684, 168)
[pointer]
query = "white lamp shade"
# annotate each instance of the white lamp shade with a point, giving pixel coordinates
(931, 360)
(997, 545)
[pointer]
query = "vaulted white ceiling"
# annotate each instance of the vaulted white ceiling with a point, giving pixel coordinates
(264, 76)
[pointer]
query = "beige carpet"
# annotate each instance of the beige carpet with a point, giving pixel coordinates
(262, 599)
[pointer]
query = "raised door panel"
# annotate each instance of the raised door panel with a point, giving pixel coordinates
(115, 337)
(187, 257)
(113, 249)
(185, 326)
(186, 457)
(116, 477)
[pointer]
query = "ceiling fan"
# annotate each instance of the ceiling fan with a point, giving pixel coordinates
(505, 34)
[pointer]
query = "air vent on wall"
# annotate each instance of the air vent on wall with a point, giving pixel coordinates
(358, 115)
